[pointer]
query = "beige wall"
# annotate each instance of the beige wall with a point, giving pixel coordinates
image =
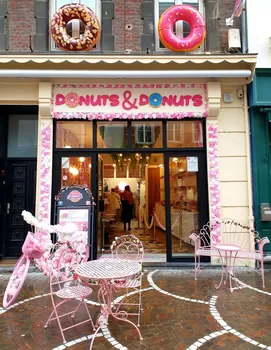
(19, 93)
(234, 153)
(234, 157)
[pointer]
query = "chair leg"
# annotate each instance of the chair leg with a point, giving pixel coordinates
(91, 321)
(59, 324)
(196, 267)
(262, 270)
(49, 319)
(139, 307)
(73, 314)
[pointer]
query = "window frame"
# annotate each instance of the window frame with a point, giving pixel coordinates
(52, 45)
(179, 26)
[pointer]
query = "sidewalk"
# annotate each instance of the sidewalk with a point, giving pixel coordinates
(179, 313)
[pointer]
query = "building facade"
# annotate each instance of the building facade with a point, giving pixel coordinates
(173, 126)
(260, 103)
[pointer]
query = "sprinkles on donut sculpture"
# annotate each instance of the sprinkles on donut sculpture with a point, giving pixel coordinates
(65, 14)
(181, 13)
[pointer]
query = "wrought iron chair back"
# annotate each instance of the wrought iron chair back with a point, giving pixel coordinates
(131, 248)
(231, 232)
(64, 286)
(127, 247)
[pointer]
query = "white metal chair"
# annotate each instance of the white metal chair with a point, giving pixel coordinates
(131, 248)
(64, 287)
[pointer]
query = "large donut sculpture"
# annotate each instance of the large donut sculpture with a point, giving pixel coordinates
(65, 14)
(181, 13)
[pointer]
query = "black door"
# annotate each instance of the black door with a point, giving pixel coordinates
(20, 194)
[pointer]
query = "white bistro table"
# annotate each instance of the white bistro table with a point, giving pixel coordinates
(228, 254)
(108, 273)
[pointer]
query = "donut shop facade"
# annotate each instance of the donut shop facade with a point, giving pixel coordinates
(178, 137)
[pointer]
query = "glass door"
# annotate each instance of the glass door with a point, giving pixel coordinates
(100, 221)
(186, 200)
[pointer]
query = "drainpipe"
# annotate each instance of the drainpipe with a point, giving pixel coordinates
(252, 152)
(249, 169)
(244, 28)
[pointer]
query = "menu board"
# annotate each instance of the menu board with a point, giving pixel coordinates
(77, 216)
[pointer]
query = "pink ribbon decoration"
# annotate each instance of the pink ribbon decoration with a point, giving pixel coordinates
(238, 8)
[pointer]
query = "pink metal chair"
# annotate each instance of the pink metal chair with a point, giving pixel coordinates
(131, 248)
(65, 288)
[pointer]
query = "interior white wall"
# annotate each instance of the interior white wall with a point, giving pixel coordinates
(259, 31)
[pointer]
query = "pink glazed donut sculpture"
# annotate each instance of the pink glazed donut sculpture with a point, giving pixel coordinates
(181, 13)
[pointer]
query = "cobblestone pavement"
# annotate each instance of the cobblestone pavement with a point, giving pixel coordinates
(179, 313)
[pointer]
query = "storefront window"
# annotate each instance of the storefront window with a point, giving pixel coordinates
(75, 171)
(147, 134)
(184, 134)
(112, 135)
(74, 134)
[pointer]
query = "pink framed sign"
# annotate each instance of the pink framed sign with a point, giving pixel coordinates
(129, 101)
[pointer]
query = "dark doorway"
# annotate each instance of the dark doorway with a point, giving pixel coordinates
(20, 195)
(18, 152)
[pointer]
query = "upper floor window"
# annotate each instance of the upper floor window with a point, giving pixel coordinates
(75, 27)
(181, 28)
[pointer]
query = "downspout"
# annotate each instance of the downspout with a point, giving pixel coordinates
(249, 169)
(252, 152)
(244, 28)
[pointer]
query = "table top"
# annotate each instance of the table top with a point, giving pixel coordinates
(228, 247)
(105, 269)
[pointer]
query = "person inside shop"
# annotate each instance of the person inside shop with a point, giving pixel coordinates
(117, 190)
(127, 200)
(114, 202)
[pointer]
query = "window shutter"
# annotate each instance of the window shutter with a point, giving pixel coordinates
(147, 15)
(107, 37)
(41, 37)
(3, 25)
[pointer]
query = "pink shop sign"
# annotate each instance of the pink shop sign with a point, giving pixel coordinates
(129, 101)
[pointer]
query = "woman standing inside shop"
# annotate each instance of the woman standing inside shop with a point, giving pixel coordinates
(127, 200)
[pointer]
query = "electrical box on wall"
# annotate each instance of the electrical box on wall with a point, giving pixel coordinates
(265, 212)
(234, 41)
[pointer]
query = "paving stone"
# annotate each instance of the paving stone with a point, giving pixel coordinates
(170, 320)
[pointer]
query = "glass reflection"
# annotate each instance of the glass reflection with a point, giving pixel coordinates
(111, 135)
(73, 134)
(183, 202)
(185, 134)
(147, 134)
(75, 171)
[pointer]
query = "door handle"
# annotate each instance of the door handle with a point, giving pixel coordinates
(8, 208)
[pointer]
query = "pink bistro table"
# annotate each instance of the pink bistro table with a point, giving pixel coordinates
(228, 254)
(109, 273)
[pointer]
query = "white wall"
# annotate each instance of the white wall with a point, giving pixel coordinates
(259, 31)
(122, 182)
